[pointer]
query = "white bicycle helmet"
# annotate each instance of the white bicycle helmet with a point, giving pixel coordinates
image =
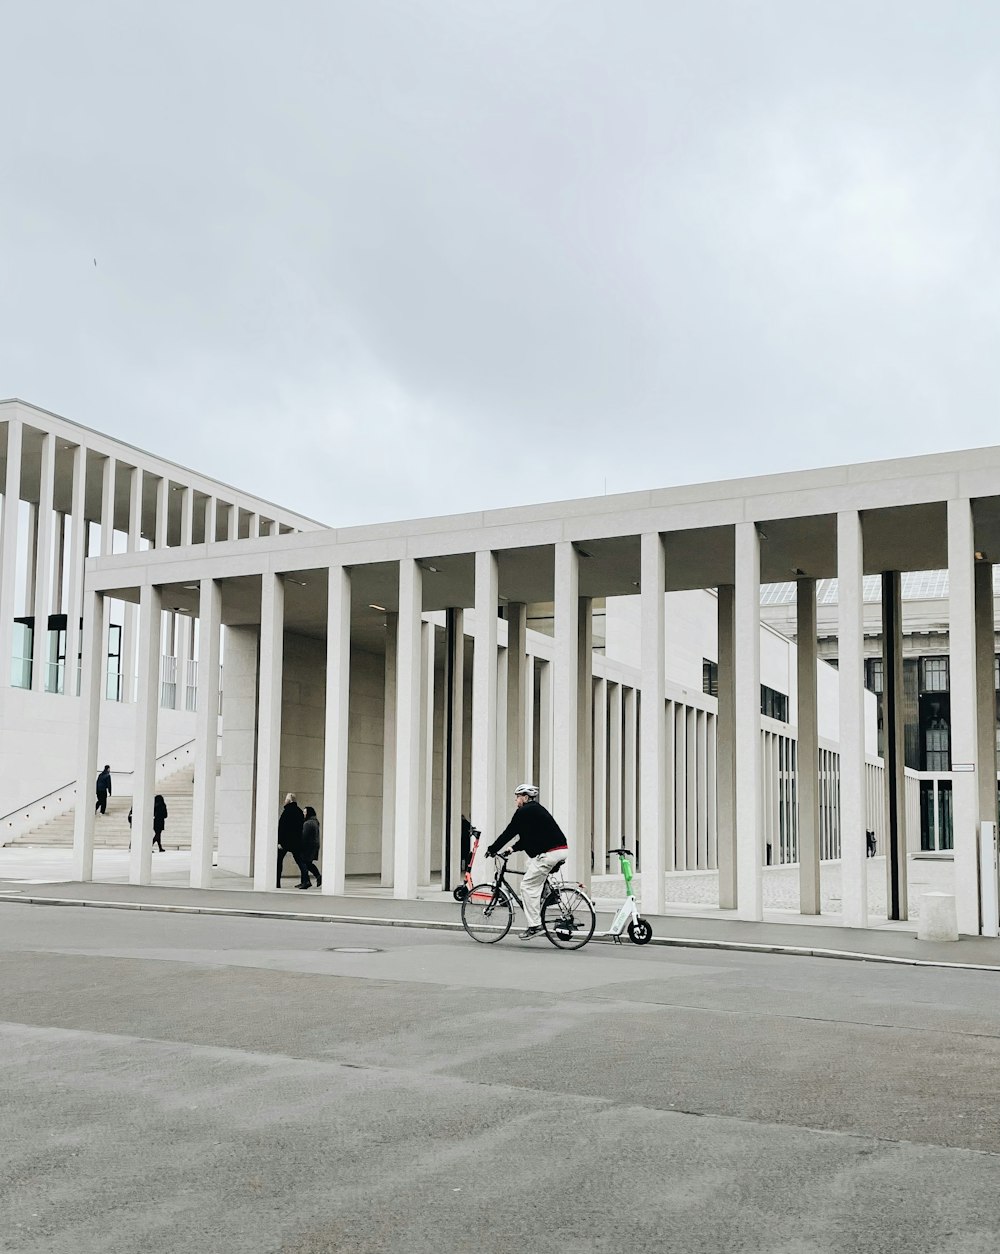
(526, 790)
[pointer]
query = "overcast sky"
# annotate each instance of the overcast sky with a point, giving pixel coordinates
(385, 258)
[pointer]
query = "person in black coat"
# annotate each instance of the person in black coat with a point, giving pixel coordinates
(290, 838)
(310, 844)
(103, 790)
(159, 821)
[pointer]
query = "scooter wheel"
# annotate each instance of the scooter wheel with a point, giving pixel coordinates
(460, 892)
(639, 932)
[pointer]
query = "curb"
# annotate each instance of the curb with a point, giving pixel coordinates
(442, 925)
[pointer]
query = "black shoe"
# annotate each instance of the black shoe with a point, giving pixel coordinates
(529, 932)
(305, 885)
(319, 880)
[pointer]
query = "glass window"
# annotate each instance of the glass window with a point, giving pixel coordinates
(874, 674)
(710, 677)
(933, 674)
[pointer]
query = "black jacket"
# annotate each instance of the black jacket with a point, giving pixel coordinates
(290, 828)
(536, 830)
(104, 782)
(159, 814)
(310, 839)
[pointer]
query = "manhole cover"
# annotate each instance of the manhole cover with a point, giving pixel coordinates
(353, 949)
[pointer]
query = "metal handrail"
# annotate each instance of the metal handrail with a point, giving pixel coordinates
(73, 783)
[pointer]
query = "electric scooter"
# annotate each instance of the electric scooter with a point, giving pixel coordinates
(639, 930)
(461, 891)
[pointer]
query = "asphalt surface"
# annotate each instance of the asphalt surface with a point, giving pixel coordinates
(198, 1083)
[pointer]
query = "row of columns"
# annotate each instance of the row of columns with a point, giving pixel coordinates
(738, 757)
(45, 575)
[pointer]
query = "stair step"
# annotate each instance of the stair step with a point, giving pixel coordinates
(111, 830)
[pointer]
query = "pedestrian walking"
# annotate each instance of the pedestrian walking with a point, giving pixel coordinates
(290, 838)
(103, 790)
(310, 845)
(159, 821)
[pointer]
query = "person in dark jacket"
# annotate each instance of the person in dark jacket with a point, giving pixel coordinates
(310, 845)
(103, 790)
(290, 838)
(159, 821)
(542, 839)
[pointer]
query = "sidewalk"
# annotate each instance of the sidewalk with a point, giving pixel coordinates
(893, 943)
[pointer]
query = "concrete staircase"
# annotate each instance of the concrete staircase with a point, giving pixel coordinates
(111, 830)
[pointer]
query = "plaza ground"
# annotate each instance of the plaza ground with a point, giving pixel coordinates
(176, 1083)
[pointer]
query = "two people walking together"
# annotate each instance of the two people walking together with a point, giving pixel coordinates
(298, 835)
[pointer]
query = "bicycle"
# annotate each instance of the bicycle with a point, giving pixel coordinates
(639, 930)
(568, 917)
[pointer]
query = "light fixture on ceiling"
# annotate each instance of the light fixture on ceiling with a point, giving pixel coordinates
(636, 583)
(192, 587)
(380, 608)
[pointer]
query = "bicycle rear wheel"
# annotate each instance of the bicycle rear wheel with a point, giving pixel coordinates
(568, 918)
(487, 914)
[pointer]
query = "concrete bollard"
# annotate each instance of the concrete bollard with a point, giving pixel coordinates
(938, 920)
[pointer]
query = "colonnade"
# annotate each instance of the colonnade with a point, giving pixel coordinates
(650, 787)
(72, 471)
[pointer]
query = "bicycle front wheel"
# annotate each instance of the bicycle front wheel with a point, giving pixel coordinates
(487, 914)
(568, 918)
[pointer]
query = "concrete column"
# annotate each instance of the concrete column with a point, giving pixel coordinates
(518, 769)
(211, 519)
(253, 524)
(630, 771)
(807, 760)
(893, 745)
(335, 754)
(426, 807)
(389, 753)
(964, 714)
(107, 506)
(8, 553)
(206, 763)
(404, 880)
(546, 747)
(851, 677)
(599, 800)
(652, 739)
(233, 522)
(133, 529)
(77, 557)
(726, 747)
(147, 707)
(162, 513)
(268, 807)
(582, 850)
(747, 746)
(986, 702)
(185, 653)
(89, 735)
(455, 663)
(615, 715)
(566, 702)
(484, 704)
(187, 518)
(43, 565)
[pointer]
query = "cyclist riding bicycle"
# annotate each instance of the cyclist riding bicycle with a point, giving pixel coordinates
(542, 839)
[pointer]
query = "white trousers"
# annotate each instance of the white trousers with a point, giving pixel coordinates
(534, 878)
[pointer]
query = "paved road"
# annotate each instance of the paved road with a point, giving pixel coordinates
(174, 1083)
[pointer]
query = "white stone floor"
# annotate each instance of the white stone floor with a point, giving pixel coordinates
(693, 893)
